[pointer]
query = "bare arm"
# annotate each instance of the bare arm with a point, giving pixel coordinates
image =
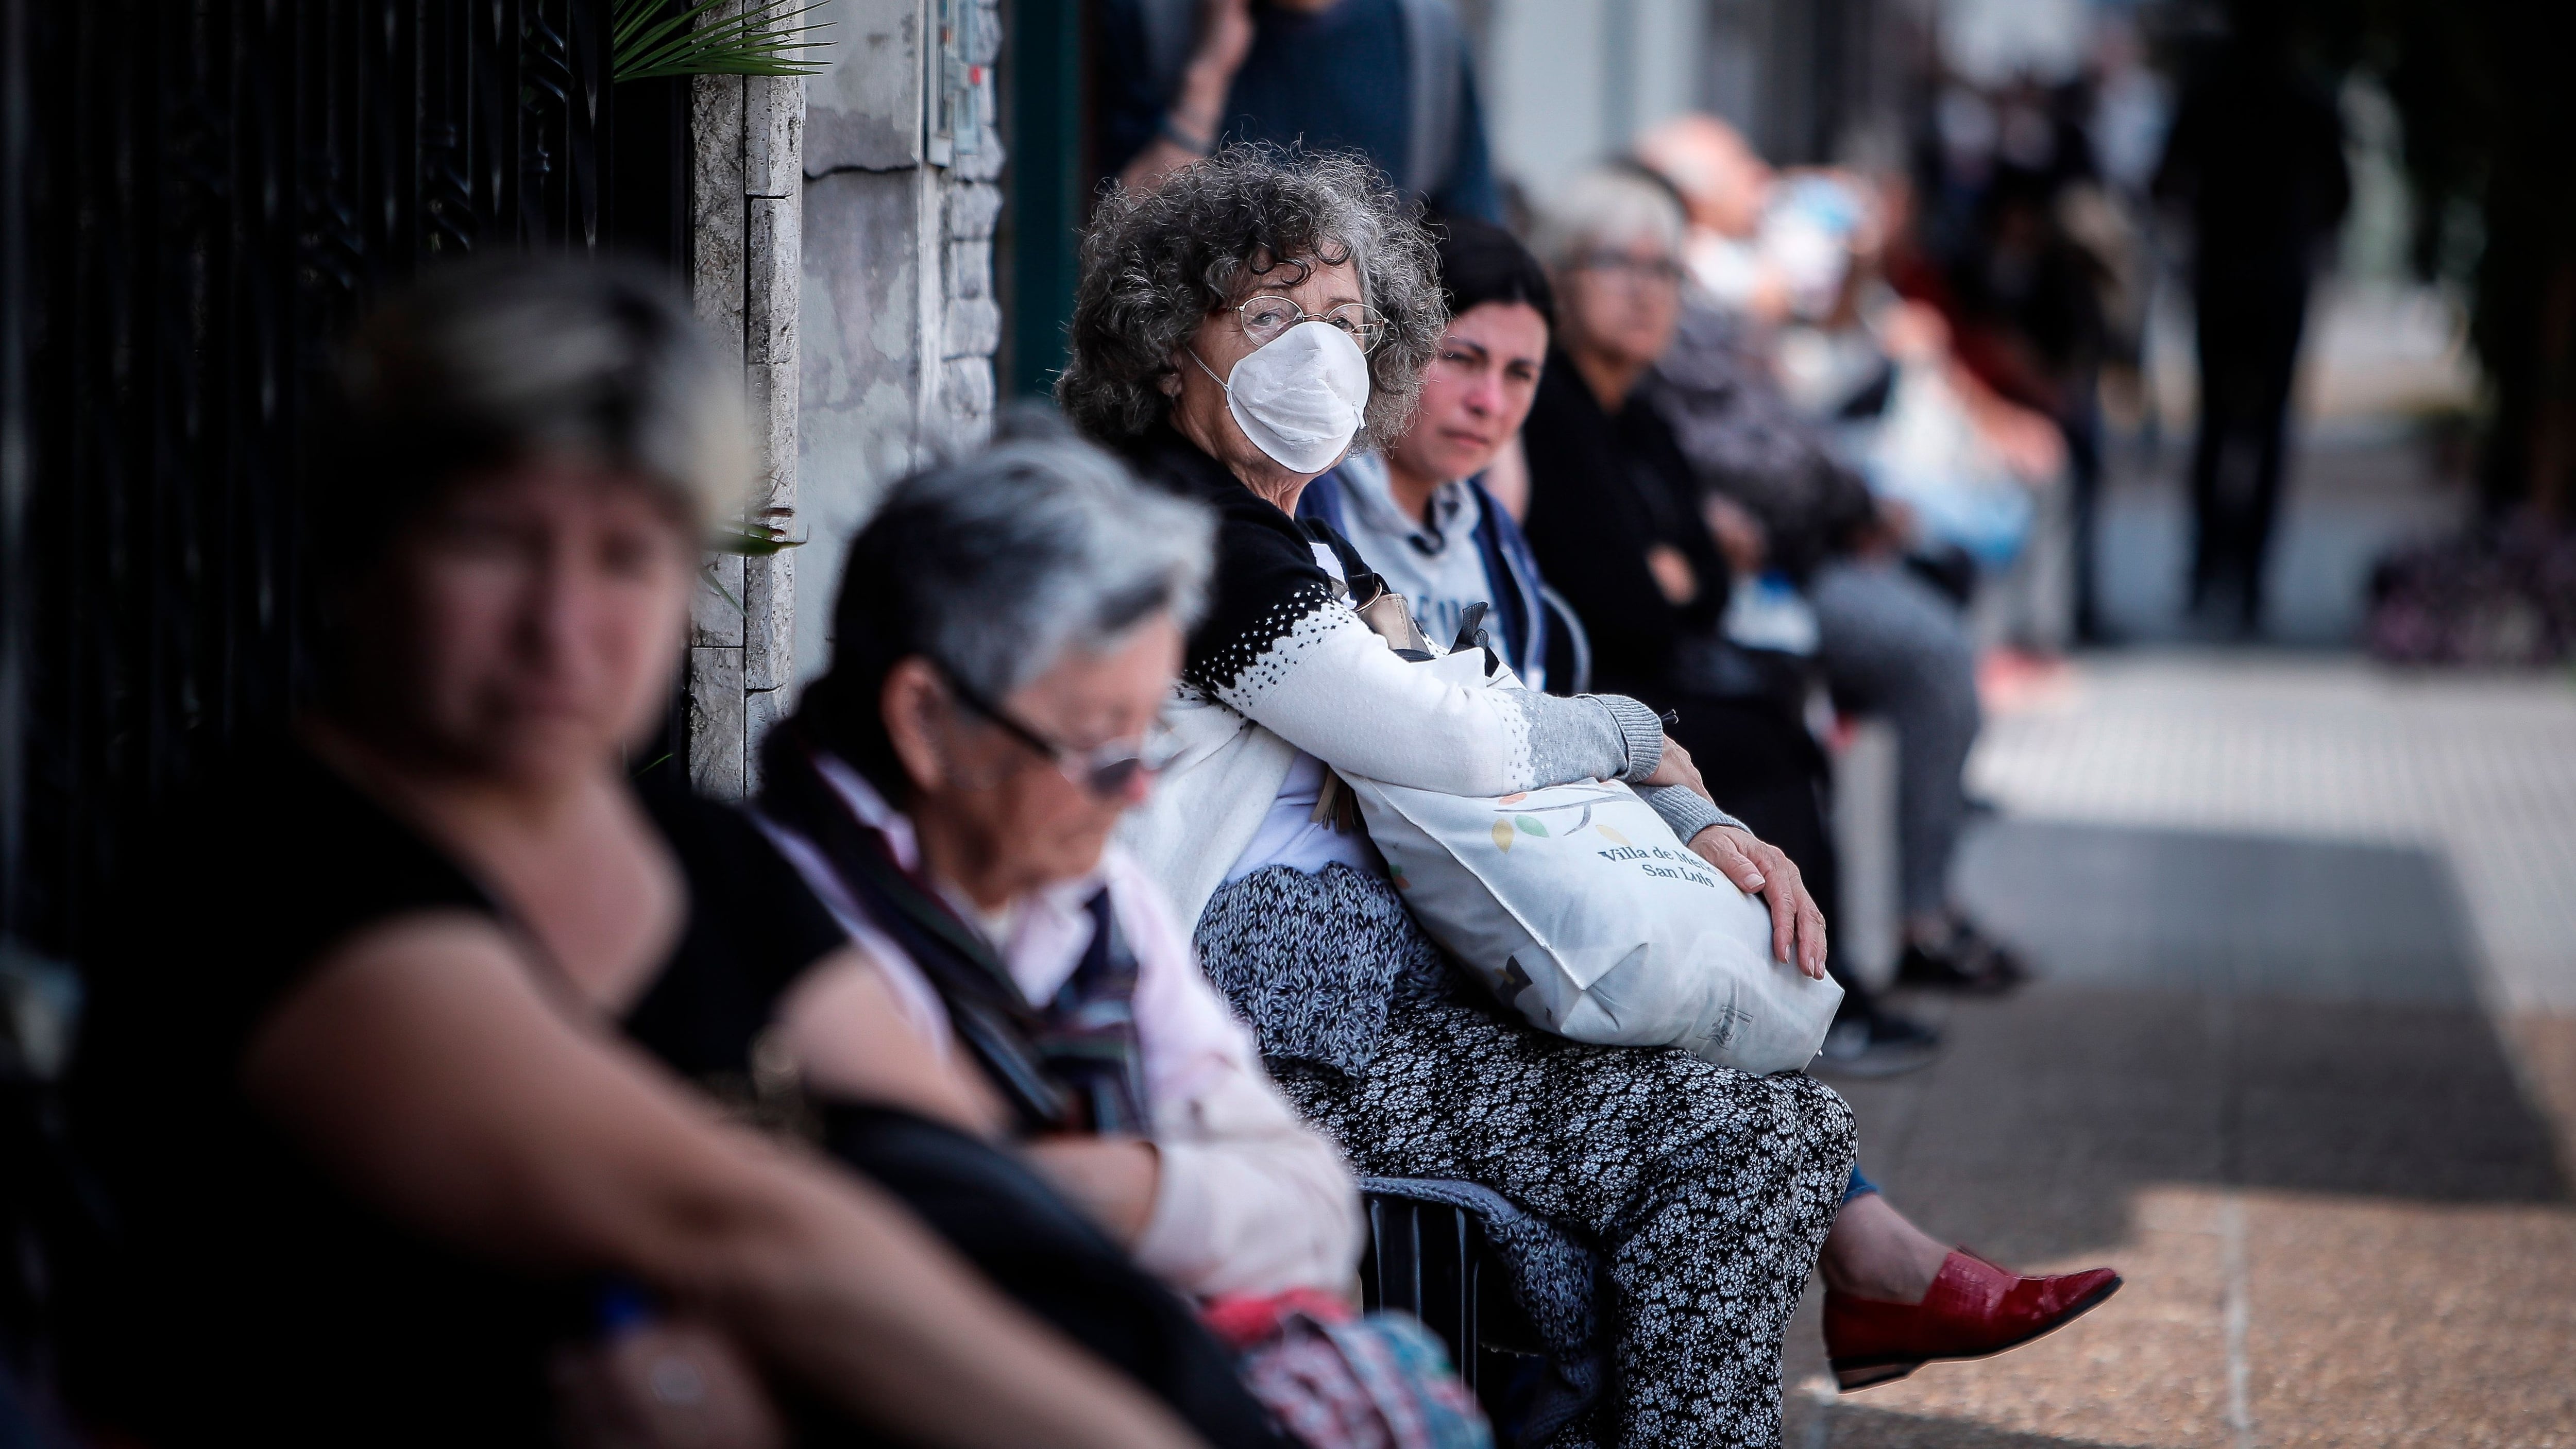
(1114, 1179)
(421, 1064)
(1225, 38)
(850, 1038)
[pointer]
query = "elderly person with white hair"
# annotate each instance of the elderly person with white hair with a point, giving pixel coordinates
(1006, 633)
(1008, 628)
(1233, 332)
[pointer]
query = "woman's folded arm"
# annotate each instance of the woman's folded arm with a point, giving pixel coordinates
(1345, 698)
(420, 1064)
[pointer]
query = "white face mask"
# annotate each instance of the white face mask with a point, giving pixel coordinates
(1300, 396)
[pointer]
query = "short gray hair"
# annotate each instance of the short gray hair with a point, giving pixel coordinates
(480, 364)
(995, 568)
(1608, 206)
(1157, 263)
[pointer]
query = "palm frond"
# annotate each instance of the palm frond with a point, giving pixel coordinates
(652, 38)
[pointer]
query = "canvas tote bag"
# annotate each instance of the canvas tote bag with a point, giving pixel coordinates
(1579, 909)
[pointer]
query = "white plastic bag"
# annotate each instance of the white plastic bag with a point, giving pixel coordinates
(1577, 907)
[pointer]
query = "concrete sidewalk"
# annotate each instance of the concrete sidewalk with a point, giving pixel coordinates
(2302, 1065)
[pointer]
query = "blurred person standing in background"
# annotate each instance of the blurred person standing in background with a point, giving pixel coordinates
(1389, 79)
(2256, 161)
(2008, 181)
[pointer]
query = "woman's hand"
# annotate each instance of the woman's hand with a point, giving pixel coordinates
(1759, 868)
(1674, 576)
(1740, 536)
(1675, 768)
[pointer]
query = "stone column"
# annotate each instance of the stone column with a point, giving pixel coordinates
(901, 154)
(747, 135)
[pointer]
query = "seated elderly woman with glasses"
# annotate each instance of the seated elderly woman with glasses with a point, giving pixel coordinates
(1233, 332)
(1006, 632)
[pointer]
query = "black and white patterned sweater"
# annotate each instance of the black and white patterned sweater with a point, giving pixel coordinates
(1281, 663)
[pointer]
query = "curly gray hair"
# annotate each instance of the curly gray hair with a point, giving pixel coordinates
(1156, 263)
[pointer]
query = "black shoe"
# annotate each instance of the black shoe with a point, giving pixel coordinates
(1967, 962)
(1874, 1043)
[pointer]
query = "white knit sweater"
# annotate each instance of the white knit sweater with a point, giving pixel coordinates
(1332, 688)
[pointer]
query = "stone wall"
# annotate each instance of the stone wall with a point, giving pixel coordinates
(900, 321)
(845, 232)
(747, 203)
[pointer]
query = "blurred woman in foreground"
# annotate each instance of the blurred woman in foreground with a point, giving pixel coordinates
(357, 1080)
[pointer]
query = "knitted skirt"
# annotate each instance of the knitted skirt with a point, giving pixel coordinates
(1706, 1192)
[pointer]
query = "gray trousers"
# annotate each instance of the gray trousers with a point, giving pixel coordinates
(1892, 646)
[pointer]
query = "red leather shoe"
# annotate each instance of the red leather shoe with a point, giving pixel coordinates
(1973, 1309)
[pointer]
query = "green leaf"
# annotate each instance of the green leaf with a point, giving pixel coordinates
(752, 540)
(650, 38)
(708, 576)
(1530, 825)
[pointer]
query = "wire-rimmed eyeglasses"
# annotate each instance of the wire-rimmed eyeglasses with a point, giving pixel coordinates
(1104, 770)
(1267, 315)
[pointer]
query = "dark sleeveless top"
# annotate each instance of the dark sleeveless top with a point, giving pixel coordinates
(244, 1296)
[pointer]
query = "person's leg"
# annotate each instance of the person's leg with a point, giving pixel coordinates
(2084, 482)
(1876, 1252)
(1709, 1192)
(1762, 767)
(2275, 369)
(1890, 646)
(2210, 521)
(1897, 1298)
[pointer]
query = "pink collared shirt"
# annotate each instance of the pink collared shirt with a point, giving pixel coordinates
(1249, 1198)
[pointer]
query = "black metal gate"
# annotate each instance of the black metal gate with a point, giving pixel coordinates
(202, 193)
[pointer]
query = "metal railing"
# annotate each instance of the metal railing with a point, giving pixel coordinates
(205, 194)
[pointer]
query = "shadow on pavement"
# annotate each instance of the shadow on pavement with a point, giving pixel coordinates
(2224, 1010)
(1859, 1428)
(2255, 1074)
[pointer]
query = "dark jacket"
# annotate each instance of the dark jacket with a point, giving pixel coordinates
(1604, 489)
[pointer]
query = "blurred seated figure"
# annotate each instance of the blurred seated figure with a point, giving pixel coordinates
(1616, 522)
(1889, 642)
(1008, 629)
(384, 1170)
(1234, 332)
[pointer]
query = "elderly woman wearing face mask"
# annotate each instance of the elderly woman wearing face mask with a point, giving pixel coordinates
(1234, 332)
(365, 1077)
